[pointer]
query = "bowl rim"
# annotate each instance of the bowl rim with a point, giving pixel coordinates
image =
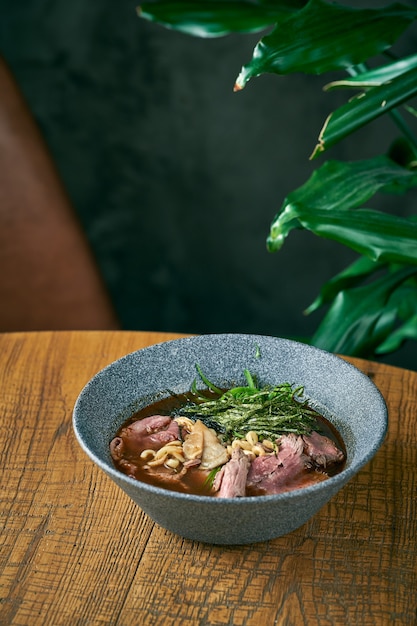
(331, 483)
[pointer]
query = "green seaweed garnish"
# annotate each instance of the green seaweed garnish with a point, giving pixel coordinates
(268, 410)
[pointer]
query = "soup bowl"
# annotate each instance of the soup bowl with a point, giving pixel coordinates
(339, 391)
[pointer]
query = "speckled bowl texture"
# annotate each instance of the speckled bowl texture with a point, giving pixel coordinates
(347, 397)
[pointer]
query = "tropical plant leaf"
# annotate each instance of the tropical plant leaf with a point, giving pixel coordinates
(395, 339)
(337, 186)
(366, 107)
(323, 37)
(375, 77)
(352, 276)
(411, 110)
(360, 318)
(214, 18)
(379, 236)
(404, 300)
(398, 320)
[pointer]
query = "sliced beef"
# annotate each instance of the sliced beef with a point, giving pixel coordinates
(149, 433)
(300, 461)
(230, 481)
(274, 474)
(290, 449)
(322, 450)
(261, 468)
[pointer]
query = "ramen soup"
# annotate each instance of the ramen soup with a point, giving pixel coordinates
(245, 441)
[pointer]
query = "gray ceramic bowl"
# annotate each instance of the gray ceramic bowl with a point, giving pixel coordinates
(340, 391)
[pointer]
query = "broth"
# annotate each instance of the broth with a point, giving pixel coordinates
(196, 480)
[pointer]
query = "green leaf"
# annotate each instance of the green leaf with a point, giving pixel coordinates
(379, 236)
(216, 19)
(337, 186)
(206, 381)
(405, 298)
(387, 336)
(364, 108)
(394, 340)
(323, 37)
(375, 77)
(411, 110)
(352, 276)
(360, 318)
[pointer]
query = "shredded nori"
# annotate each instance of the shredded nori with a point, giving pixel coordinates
(269, 410)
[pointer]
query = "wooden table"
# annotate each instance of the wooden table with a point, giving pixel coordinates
(75, 550)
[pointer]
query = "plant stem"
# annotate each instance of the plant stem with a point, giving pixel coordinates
(405, 129)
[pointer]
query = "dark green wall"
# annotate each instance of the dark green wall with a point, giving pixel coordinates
(175, 177)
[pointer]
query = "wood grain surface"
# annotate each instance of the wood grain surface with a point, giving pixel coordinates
(75, 550)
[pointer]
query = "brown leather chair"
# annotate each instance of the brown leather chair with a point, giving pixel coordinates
(49, 279)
